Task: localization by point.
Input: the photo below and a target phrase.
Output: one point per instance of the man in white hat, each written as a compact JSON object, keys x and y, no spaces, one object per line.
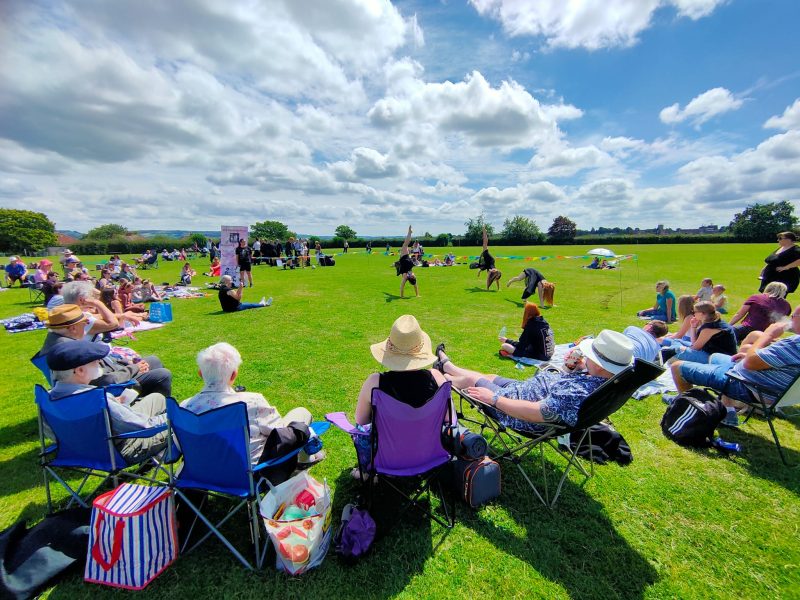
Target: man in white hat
{"x":15,"y":271}
{"x":545,"y":397}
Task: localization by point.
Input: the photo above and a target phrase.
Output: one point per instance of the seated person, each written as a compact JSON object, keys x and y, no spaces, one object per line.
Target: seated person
{"x":769,"y":362}
{"x":110,"y":298}
{"x":187,"y":272}
{"x":685,"y":316}
{"x":165,"y":255}
{"x":761,"y":310}
{"x":705,"y":291}
{"x":44,"y":270}
{"x":645,"y":339}
{"x":52,"y":291}
{"x":16,"y":271}
{"x":708,"y":334}
{"x":99,"y":318}
{"x":545,"y":397}
{"x":664,"y":308}
{"x":219,"y":366}
{"x":68,"y":322}
{"x":719,"y":299}
{"x":407,"y":356}
{"x":125,"y":296}
{"x":449,"y":260}
{"x":214,"y":269}
{"x":144,"y":258}
{"x":75,"y":365}
{"x":595,"y":264}
{"x":537,"y":340}
{"x":127,"y":273}
{"x":534,"y":281}
{"x":230,"y":299}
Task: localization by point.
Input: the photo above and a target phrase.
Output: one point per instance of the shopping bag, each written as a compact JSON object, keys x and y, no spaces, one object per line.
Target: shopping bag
{"x":160,"y":312}
{"x":297,"y":516}
{"x":132,"y":536}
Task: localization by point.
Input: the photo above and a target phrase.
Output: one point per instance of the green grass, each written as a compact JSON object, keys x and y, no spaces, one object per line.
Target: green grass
{"x":675,"y":523}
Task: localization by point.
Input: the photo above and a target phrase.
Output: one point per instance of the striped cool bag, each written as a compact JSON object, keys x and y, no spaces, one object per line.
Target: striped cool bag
{"x":132,"y":536}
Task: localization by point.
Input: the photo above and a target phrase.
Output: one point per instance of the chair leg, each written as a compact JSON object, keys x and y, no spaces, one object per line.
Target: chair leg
{"x":768,"y":416}
{"x":47,"y":491}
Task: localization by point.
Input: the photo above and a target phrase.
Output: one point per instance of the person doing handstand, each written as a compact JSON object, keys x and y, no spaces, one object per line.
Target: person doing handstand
{"x":486,"y":263}
{"x":405,"y":266}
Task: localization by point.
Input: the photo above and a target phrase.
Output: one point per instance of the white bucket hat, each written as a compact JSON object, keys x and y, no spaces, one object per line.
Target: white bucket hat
{"x":610,"y":349}
{"x":407,"y":348}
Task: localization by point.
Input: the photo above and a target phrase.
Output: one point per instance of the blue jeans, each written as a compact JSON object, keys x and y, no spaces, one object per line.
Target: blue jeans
{"x":698,"y":356}
{"x":654,"y":314}
{"x":248,"y":305}
{"x":714,"y":376}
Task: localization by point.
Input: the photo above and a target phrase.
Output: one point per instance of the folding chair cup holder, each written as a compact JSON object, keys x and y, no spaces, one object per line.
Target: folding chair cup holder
{"x":513,"y":446}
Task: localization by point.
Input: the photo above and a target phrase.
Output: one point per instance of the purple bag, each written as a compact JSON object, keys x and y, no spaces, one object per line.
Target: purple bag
{"x":356,"y":533}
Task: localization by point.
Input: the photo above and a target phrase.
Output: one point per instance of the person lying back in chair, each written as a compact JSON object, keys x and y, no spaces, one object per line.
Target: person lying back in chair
{"x":545,"y":397}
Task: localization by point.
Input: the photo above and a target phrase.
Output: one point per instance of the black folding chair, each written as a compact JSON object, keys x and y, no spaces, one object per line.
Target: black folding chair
{"x":515,"y":445}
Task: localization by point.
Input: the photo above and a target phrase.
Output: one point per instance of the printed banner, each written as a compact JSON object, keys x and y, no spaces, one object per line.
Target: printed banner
{"x":229,"y":239}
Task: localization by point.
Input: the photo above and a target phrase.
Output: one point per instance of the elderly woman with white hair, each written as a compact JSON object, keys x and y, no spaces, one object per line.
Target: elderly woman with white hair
{"x":218,"y":367}
{"x":230,"y":298}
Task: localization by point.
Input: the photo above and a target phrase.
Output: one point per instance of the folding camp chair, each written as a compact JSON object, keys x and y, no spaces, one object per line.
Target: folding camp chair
{"x":600,"y":404}
{"x":36,"y":292}
{"x":216,"y":461}
{"x":84,"y":443}
{"x":150,"y":263}
{"x":791,"y":397}
{"x":406,"y":448}
{"x":40,"y":362}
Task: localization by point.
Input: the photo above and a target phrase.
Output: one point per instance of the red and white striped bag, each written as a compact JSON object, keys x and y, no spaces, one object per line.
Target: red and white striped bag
{"x":132,"y":536}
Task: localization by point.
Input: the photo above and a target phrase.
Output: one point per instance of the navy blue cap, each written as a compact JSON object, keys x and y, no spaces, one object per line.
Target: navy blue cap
{"x":74,"y":354}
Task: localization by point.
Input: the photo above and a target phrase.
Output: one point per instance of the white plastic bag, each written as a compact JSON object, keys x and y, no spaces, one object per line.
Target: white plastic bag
{"x":302,"y":543}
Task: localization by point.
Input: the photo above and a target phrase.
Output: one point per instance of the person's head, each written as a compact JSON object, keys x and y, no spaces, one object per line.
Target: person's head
{"x":776,"y":289}
{"x":706,"y":311}
{"x":685,"y":306}
{"x":126,"y":267}
{"x":707,"y":282}
{"x":186,"y":266}
{"x":124,"y":284}
{"x":215,"y":262}
{"x":146,"y":283}
{"x":107,"y":296}
{"x":531,"y":312}
{"x":77,"y":292}
{"x":226,"y":281}
{"x":407,"y":348}
{"x":67,"y":320}
{"x":607,"y":354}
{"x":77,"y":361}
{"x":662,"y":286}
{"x":12,"y":260}
{"x":242,"y":242}
{"x":787,"y":238}
{"x":656,"y":328}
{"x":718,"y":289}
{"x":219,"y":364}
{"x":45,"y":265}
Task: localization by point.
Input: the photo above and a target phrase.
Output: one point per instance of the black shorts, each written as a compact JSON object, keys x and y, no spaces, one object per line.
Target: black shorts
{"x":245,"y":266}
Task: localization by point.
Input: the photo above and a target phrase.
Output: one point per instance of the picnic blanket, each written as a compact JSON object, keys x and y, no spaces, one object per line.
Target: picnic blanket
{"x":130,"y":331}
{"x":181,"y":292}
{"x":664,"y":383}
{"x":23,"y":322}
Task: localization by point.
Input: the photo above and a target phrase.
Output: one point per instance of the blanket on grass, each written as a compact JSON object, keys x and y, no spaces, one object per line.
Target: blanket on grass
{"x":23,"y":322}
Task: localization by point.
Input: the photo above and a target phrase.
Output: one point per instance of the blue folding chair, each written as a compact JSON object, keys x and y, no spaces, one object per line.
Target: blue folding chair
{"x":216,"y":460}
{"x":40,"y":362}
{"x":84,"y":443}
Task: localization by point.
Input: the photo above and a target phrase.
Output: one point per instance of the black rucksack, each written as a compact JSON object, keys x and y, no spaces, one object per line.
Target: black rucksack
{"x":692,"y":418}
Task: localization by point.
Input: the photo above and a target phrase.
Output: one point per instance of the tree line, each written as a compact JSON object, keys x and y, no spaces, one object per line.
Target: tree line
{"x":28,"y":231}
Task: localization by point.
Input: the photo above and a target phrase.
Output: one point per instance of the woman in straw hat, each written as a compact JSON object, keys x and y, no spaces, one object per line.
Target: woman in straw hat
{"x":545,"y":397}
{"x":407,"y":356}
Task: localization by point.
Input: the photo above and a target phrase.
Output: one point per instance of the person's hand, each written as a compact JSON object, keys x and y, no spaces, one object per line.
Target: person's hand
{"x":502,"y":339}
{"x":776,"y":330}
{"x":738,"y":356}
{"x":694,"y":322}
{"x":481,"y":394}
{"x":409,"y":230}
{"x":780,"y":269}
{"x":143,"y":367}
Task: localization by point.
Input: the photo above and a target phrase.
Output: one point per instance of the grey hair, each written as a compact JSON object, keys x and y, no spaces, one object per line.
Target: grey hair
{"x":218,"y":362}
{"x":74,"y":291}
{"x":226,"y":280}
{"x":61,"y":375}
{"x":776,"y":289}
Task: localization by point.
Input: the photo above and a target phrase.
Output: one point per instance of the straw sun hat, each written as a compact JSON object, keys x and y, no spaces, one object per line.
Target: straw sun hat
{"x":407,"y":348}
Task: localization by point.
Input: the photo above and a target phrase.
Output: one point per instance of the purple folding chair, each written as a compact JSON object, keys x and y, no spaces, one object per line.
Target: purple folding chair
{"x":406,"y":449}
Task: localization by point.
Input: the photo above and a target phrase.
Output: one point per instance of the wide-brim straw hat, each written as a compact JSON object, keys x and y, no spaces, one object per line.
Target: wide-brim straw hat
{"x":407,"y":348}
{"x":65,"y":315}
{"x":611,"y":350}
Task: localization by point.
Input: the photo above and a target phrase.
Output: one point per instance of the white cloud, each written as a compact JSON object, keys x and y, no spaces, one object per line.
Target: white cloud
{"x":700,"y":109}
{"x":790,"y":119}
{"x":562,"y":161}
{"x":590,"y":24}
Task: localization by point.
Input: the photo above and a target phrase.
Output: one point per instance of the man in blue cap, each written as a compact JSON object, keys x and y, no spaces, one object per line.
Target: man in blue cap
{"x":75,"y":364}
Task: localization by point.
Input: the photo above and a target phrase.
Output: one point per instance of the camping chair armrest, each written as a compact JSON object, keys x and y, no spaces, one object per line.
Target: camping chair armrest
{"x":754,"y":388}
{"x":115,"y":389}
{"x":276,"y":461}
{"x":141,"y":433}
{"x":340,"y":420}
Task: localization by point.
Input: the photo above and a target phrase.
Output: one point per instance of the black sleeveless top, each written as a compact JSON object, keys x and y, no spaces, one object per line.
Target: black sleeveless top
{"x":414,"y":388}
{"x":406,"y":264}
{"x":228,"y":303}
{"x":486,"y":261}
{"x":723,"y":342}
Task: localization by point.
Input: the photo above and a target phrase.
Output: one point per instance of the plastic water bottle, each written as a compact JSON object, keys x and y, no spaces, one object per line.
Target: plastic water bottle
{"x":721,"y":444}
{"x":503,"y":331}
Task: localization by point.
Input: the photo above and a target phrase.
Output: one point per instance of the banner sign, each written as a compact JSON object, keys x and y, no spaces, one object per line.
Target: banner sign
{"x":228,"y":241}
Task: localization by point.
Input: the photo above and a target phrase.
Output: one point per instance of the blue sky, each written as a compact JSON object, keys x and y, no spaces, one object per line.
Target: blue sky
{"x":196,"y":113}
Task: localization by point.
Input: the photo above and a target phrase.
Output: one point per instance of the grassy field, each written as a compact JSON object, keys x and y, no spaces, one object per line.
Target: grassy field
{"x":676,"y":523}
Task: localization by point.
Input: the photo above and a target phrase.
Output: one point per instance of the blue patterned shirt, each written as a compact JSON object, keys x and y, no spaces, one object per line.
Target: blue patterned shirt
{"x":783,"y":357}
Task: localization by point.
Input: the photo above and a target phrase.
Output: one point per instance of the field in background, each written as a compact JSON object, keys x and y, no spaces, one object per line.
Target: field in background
{"x":675,"y":523}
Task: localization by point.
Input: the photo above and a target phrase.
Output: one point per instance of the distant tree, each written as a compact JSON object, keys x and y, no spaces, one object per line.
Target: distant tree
{"x":106,"y":232}
{"x":443,"y":239}
{"x":25,"y":230}
{"x":270,"y":230}
{"x":760,"y":222}
{"x":345,"y":232}
{"x":521,"y":230}
{"x":474,"y":233}
{"x":198,"y":238}
{"x":312,"y":241}
{"x":562,"y":229}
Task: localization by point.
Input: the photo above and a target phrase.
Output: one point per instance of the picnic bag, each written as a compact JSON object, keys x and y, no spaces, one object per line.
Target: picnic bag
{"x":692,"y":418}
{"x":476,"y":481}
{"x":355,"y":534}
{"x":297,"y":516}
{"x":160,"y":312}
{"x":132,"y":536}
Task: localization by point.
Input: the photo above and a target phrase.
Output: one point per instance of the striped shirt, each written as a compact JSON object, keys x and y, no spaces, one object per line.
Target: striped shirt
{"x":783,"y":357}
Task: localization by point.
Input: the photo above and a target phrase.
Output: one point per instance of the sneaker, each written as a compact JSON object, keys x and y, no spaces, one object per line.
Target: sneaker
{"x":668,"y":398}
{"x":263,"y":301}
{"x":306,"y":460}
{"x":731,"y":419}
{"x":269,"y":301}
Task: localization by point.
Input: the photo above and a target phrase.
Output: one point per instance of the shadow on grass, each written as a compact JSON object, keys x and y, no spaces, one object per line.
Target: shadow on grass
{"x":475,"y":289}
{"x":761,"y":457}
{"x":21,"y":473}
{"x":24,"y":431}
{"x":574,"y":545}
{"x":519,"y":304}
{"x":392,"y":297}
